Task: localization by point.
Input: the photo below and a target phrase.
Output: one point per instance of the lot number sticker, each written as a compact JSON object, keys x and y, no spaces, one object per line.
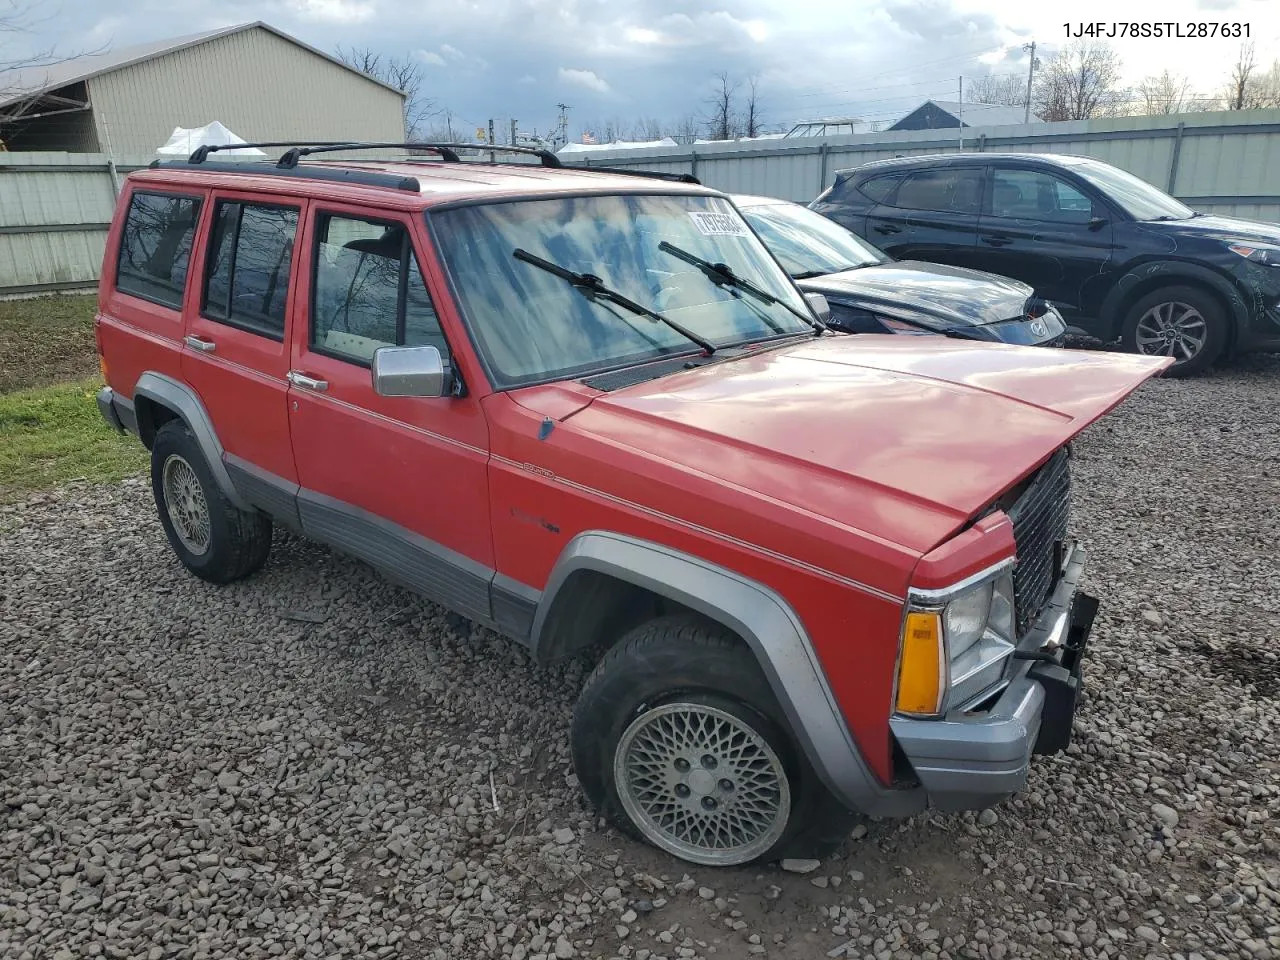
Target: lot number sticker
{"x":719,"y":225}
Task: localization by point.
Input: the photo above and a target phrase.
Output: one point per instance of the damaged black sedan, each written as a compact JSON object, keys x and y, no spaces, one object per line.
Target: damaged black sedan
{"x":870,"y":292}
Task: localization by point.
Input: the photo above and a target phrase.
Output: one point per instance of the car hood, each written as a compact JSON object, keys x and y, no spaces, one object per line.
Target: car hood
{"x":903,"y":438}
{"x":1224,"y":227}
{"x":954,"y":295}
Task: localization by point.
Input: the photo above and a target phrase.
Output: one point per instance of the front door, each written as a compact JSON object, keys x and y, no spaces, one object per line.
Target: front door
{"x":399,"y":481}
{"x":236,"y":353}
{"x":932,"y":216}
{"x":1047,"y":232}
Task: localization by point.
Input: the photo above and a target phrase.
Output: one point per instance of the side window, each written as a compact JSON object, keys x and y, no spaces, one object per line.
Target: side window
{"x":368,"y":291}
{"x":250,"y":255}
{"x":155,"y":247}
{"x":880,"y":189}
{"x":951,"y":190}
{"x":1033,"y":195}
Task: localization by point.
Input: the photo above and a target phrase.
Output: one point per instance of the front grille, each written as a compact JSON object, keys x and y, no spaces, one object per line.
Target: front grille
{"x":1039,"y":518}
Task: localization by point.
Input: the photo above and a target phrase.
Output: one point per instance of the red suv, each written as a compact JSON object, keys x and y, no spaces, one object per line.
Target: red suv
{"x":831,"y":574}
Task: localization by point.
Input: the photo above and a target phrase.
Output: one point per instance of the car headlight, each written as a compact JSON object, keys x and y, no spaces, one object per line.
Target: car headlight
{"x":955,"y":644}
{"x":1267,"y":254}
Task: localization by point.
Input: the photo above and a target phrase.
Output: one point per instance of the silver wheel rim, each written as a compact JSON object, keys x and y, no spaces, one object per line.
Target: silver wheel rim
{"x":185,"y":503}
{"x":1172,"y":329}
{"x":701,"y":784}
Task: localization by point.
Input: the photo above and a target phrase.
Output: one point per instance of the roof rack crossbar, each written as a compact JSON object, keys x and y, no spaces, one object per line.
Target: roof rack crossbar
{"x":201,"y":153}
{"x":655,"y":174}
{"x":291,"y":157}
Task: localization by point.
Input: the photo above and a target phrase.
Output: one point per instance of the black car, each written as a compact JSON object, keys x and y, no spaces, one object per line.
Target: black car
{"x":1120,"y":259}
{"x":870,"y":292}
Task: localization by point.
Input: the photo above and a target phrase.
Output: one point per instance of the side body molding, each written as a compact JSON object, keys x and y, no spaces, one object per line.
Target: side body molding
{"x":772,"y":631}
{"x":183,"y":401}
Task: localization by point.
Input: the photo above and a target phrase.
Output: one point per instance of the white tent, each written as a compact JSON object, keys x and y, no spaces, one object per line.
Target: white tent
{"x":185,"y":140}
{"x":616,"y":145}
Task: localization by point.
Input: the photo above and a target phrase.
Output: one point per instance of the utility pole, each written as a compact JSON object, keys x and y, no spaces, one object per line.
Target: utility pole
{"x":492,"y":158}
{"x":961,"y":116}
{"x":564,"y":123}
{"x":513,"y":132}
{"x":1031,"y":74}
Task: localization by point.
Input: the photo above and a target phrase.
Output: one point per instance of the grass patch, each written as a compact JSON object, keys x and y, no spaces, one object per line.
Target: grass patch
{"x":50,"y":435}
{"x":46,"y":340}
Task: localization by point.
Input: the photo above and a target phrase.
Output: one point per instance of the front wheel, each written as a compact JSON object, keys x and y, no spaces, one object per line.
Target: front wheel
{"x":1179,"y":322}
{"x":678,"y":740}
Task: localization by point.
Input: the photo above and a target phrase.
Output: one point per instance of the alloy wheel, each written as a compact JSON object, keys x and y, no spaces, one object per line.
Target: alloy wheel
{"x":186,"y":505}
{"x":1173,"y":329}
{"x":702,"y":784}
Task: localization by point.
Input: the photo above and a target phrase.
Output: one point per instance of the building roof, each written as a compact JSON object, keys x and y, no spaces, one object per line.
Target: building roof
{"x":981,"y":114}
{"x":21,"y":84}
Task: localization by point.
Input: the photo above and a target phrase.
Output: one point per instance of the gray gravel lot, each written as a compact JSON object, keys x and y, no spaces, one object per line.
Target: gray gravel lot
{"x":306,"y":764}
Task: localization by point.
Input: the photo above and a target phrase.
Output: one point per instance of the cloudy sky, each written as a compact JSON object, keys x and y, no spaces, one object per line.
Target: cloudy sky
{"x":655,"y":58}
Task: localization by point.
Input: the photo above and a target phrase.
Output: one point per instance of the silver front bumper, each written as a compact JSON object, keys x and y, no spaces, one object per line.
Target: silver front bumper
{"x":968,"y":761}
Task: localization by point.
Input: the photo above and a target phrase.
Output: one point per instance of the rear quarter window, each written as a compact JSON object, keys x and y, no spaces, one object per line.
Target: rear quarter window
{"x":880,"y":189}
{"x":155,"y":247}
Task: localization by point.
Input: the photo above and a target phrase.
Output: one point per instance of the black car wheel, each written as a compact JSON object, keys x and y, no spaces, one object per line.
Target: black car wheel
{"x":1179,"y":322}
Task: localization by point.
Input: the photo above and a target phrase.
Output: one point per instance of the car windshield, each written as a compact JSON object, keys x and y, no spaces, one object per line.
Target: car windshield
{"x":1138,"y":198}
{"x":807,"y":244}
{"x":532,"y":326}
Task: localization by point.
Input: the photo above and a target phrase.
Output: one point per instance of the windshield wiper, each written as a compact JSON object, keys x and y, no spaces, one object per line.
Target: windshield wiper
{"x":592,"y":287}
{"x":723,"y":273}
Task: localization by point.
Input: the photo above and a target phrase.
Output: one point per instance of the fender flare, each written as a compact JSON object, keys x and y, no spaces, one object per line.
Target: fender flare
{"x":772,"y":631}
{"x":1170,"y":272}
{"x":184,"y":402}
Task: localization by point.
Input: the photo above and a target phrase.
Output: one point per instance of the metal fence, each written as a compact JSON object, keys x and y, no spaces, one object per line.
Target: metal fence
{"x":1226,"y":162}
{"x":55,"y":207}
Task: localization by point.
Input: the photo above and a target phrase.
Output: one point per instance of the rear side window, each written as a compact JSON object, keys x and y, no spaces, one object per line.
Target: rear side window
{"x":880,"y":189}
{"x":250,"y":254}
{"x":155,"y":247}
{"x":369,"y":291}
{"x":957,"y":190}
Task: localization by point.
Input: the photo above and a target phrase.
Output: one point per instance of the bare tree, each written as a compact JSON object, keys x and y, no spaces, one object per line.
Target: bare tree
{"x":684,"y":130}
{"x":1079,"y":82}
{"x":721,"y":119}
{"x":1167,"y":93}
{"x":751,"y":112}
{"x":1009,"y":90}
{"x":18,"y":18}
{"x":405,"y":74}
{"x":1248,"y":87}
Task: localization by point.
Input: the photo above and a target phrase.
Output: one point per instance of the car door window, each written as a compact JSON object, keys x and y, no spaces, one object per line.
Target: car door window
{"x":1034,"y":195}
{"x":250,"y":257}
{"x":956,"y":190}
{"x":880,"y":189}
{"x":368,"y":291}
{"x":155,"y":247}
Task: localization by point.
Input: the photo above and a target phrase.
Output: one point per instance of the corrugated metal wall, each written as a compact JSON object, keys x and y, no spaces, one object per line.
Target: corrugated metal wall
{"x":260,"y":85}
{"x":1226,"y":163}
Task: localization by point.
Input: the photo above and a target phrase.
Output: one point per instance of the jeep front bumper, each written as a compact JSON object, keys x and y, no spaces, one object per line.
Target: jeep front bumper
{"x":971,"y":760}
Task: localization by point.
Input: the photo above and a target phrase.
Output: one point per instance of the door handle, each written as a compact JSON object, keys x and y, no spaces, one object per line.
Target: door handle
{"x":300,"y":379}
{"x":997,"y":241}
{"x":887,"y":228}
{"x":199,"y":343}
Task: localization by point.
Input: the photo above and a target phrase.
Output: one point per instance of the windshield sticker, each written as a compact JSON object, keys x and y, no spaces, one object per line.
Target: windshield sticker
{"x":719,"y":225}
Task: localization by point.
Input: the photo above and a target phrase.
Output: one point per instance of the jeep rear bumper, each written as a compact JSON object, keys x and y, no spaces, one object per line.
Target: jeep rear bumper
{"x":117,"y":411}
{"x":968,"y":761}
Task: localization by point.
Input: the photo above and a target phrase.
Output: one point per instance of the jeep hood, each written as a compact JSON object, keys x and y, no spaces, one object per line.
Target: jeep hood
{"x":903,"y":438}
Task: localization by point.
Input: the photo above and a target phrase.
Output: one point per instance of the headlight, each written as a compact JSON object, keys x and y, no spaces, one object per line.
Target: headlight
{"x":955,"y":644}
{"x":1267,"y":254}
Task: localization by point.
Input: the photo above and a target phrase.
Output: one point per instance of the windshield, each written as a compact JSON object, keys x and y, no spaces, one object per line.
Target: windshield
{"x":1138,"y":198}
{"x":531,"y":326}
{"x":807,"y":244}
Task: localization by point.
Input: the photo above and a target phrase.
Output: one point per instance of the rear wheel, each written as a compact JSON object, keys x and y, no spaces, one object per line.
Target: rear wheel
{"x":1180,"y":322}
{"x":678,"y":740}
{"x":212,"y":537}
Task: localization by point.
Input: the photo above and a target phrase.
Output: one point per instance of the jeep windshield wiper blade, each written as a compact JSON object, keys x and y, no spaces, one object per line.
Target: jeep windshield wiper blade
{"x":591,"y":287}
{"x":723,"y":273}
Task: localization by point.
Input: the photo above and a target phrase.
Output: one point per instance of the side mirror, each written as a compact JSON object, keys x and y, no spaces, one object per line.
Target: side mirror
{"x":409,"y":372}
{"x":818,"y":304}
{"x":1097,"y":223}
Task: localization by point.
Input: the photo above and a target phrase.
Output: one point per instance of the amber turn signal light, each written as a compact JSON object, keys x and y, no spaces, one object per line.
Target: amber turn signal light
{"x":920,"y":682}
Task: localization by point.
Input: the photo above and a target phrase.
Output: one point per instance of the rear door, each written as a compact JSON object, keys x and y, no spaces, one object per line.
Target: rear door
{"x":930,"y":214}
{"x":236,"y":354}
{"x":1049,"y":231}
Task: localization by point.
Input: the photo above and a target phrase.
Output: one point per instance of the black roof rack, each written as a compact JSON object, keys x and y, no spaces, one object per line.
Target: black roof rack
{"x":364,"y":178}
{"x":655,"y":174}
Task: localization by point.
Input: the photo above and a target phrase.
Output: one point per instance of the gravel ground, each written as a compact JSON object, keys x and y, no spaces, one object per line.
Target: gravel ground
{"x":313,"y":763}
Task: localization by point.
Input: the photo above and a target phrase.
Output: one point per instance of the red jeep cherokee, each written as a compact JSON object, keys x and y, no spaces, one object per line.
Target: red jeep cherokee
{"x":831,"y":573}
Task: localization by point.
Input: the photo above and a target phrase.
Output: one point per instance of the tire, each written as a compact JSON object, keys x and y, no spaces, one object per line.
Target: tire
{"x":652,"y":686}
{"x":230,"y":543}
{"x":1185,"y":312}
